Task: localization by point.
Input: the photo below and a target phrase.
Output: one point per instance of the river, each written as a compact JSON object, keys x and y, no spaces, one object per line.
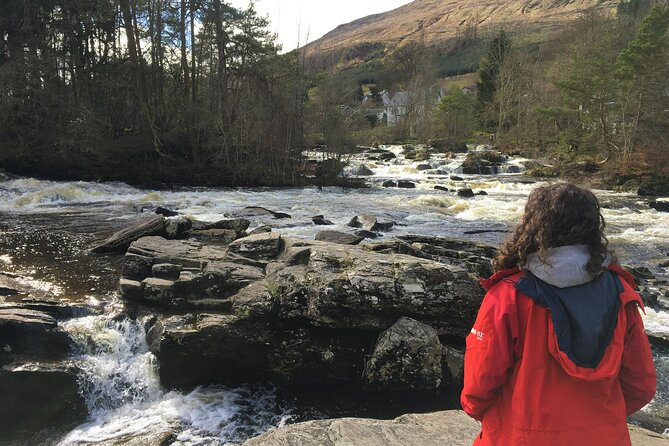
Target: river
{"x":46,"y":228}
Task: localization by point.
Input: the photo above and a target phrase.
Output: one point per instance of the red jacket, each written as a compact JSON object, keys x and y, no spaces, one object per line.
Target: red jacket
{"x":526,"y":391}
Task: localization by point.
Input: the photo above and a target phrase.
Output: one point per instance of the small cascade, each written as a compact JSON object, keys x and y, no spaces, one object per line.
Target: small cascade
{"x":438,"y":164}
{"x":120,"y":384}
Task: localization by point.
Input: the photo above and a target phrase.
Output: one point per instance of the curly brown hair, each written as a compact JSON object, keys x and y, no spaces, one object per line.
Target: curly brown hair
{"x":557,"y":215}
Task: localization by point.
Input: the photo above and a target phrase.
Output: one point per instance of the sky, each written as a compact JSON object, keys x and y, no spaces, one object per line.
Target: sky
{"x":304,"y":21}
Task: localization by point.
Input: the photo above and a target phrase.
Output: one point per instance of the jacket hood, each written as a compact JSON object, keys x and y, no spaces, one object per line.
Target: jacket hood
{"x":583,"y":319}
{"x":563,"y":267}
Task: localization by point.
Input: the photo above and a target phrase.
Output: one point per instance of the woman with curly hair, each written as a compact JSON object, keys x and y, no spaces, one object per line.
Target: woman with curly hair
{"x":558,"y":354}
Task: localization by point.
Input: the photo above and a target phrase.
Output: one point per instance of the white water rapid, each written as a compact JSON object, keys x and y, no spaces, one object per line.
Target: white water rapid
{"x":119,"y":382}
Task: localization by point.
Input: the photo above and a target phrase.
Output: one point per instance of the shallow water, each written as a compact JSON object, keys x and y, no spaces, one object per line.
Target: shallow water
{"x":46,"y":228}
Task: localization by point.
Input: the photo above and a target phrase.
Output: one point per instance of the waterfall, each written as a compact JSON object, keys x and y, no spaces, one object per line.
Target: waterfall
{"x":119,"y":382}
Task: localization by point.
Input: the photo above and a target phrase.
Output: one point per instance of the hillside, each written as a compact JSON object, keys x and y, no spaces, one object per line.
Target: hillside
{"x":444,"y":23}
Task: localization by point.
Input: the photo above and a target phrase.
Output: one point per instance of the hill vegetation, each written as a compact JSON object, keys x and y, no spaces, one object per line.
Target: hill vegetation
{"x":591,"y":98}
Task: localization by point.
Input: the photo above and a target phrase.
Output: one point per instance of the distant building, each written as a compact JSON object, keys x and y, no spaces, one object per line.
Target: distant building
{"x":397,"y":107}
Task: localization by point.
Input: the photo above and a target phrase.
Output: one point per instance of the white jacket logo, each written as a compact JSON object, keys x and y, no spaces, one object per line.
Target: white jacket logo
{"x":478,"y":334}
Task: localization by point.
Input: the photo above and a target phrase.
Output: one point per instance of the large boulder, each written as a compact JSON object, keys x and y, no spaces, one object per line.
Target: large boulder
{"x":222,"y":232}
{"x":39,"y":404}
{"x":349,"y":287}
{"x":406,"y":356}
{"x":196,"y":349}
{"x":370,"y":223}
{"x":31,"y":335}
{"x":484,"y":162}
{"x":205,"y":348}
{"x":451,"y":427}
{"x":260,"y":246}
{"x":362,"y":170}
{"x":178,"y":227}
{"x":297,"y":312}
{"x":121,"y":240}
{"x":475,"y":257}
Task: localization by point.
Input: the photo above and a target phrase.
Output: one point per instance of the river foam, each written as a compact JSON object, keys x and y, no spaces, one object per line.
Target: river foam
{"x":119,"y":381}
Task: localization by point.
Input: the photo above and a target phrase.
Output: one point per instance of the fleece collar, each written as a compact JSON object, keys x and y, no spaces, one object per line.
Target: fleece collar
{"x":563,"y":267}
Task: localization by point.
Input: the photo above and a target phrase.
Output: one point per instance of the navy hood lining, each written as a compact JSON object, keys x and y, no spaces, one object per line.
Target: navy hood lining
{"x":584,"y":316}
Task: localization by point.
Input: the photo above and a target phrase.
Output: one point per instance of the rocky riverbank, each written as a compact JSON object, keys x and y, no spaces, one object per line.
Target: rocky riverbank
{"x":304,"y":313}
{"x":453,"y":428}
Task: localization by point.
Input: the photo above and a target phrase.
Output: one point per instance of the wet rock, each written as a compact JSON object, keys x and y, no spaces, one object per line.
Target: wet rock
{"x":131,"y":289}
{"x":219,"y":237}
{"x":348,"y":287}
{"x":261,"y":230}
{"x":465,"y":192}
{"x":482,"y":162}
{"x":167,"y":271}
{"x":475,"y":257}
{"x":481,"y":192}
{"x":4,"y":291}
{"x":187,"y":253}
{"x":159,"y":291}
{"x":341,"y":238}
{"x":176,"y":228}
{"x":39,"y":404}
{"x":445,"y":145}
{"x":238,"y":225}
{"x":53,"y":307}
{"x":30,"y":335}
{"x":136,"y":267}
{"x":660,"y":206}
{"x":121,"y":240}
{"x":387,"y":156}
{"x":368,"y":222}
{"x":389,"y":183}
{"x":367,"y":234}
{"x":456,"y":178}
{"x":406,"y":356}
{"x":257,"y":211}
{"x":209,"y":348}
{"x":259,"y":246}
{"x":319,"y":220}
{"x":212,"y":348}
{"x":161,"y":438}
{"x":404,"y":184}
{"x":486,"y":231}
{"x":421,"y":167}
{"x":362,"y":170}
{"x":441,"y":188}
{"x":453,"y":365}
{"x":165,"y":212}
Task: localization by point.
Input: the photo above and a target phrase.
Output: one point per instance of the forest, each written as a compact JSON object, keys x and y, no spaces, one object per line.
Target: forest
{"x":197,"y":92}
{"x":171,"y":91}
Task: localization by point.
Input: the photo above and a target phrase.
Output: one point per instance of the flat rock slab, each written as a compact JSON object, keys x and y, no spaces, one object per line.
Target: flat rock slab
{"x":452,"y":428}
{"x":257,"y":211}
{"x":341,"y":238}
{"x":160,"y":438}
{"x":260,"y":246}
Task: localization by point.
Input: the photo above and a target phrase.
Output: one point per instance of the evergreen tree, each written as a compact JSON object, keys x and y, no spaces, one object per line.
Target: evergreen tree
{"x":490,"y":67}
